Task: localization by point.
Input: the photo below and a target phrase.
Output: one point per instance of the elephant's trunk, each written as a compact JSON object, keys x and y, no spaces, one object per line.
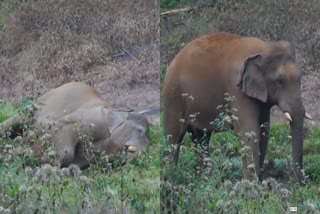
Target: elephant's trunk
{"x":298,"y":114}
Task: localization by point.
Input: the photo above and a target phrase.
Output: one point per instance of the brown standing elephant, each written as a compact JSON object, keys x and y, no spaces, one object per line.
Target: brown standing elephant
{"x":256,"y":73}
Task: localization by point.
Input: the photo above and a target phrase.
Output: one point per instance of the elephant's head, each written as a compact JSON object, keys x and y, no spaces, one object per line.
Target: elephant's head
{"x":134,"y":133}
{"x":128,"y":130}
{"x":273,"y":78}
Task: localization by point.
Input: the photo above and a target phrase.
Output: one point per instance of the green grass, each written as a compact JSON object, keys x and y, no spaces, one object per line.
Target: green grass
{"x":114,"y":187}
{"x":7,"y":109}
{"x":312,"y":144}
{"x":6,"y":7}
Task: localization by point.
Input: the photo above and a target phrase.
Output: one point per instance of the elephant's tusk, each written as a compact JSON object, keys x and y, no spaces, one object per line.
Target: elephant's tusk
{"x":132,"y":149}
{"x":308,"y":116}
{"x":287,"y":115}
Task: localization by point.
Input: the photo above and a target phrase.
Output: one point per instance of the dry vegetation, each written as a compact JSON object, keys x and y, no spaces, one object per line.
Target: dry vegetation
{"x":113,"y":45}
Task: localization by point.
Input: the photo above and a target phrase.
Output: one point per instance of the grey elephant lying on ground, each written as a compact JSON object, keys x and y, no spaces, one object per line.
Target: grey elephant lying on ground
{"x":74,"y":110}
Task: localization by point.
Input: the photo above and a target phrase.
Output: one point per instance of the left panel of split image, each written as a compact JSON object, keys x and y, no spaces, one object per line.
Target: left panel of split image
{"x":79,"y":106}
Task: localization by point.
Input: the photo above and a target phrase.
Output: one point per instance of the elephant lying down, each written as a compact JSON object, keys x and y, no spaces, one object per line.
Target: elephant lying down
{"x":74,"y":110}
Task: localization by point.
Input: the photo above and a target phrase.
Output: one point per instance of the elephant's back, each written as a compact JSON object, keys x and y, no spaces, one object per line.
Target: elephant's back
{"x":203,"y":68}
{"x":209,"y":58}
{"x":68,"y":98}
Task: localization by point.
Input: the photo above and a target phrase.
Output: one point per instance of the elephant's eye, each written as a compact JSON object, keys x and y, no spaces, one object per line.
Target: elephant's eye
{"x":140,"y":131}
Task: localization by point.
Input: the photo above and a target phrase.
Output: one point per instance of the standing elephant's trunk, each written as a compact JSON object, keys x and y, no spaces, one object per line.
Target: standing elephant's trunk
{"x":297,"y":139}
{"x":296,"y":116}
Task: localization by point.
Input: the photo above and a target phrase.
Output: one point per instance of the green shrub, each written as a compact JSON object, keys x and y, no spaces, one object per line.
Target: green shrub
{"x":312,"y":143}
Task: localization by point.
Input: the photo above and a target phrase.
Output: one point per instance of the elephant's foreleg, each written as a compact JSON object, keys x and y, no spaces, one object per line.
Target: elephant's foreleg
{"x":264,"y":138}
{"x":248,"y":129}
{"x":64,"y":141}
{"x":251,"y":152}
{"x":81,"y":158}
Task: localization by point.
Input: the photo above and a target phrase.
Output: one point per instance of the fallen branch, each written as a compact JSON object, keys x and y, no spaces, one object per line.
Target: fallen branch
{"x":127,"y":52}
{"x":186,"y":9}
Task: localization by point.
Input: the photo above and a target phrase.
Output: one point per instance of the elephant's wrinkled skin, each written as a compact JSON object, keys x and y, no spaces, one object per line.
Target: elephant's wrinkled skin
{"x":75,"y":109}
{"x":256,"y":73}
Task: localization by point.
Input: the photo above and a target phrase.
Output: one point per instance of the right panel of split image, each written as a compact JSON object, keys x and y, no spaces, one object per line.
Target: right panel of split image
{"x":240,"y":99}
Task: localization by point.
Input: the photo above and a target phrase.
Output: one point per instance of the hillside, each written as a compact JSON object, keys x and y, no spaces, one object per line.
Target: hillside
{"x":112,"y":45}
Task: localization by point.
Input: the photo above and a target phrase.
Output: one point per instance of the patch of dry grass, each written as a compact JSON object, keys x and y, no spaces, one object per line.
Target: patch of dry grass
{"x":47,"y":43}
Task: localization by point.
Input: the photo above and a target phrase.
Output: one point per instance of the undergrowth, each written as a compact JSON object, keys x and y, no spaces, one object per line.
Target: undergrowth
{"x":109,"y":186}
{"x":220,"y":188}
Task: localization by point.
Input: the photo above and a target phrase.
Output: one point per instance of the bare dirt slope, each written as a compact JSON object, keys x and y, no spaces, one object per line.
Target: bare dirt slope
{"x":111,"y":45}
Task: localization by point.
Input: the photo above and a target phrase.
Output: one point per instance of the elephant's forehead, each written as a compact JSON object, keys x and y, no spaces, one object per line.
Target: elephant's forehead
{"x":290,"y":70}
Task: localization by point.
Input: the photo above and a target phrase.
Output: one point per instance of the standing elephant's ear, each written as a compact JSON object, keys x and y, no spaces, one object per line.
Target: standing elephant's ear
{"x":252,"y":81}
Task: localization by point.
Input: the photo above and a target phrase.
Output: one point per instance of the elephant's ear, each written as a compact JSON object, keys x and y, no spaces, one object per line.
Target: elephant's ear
{"x":150,"y":110}
{"x":252,"y":81}
{"x":113,"y":120}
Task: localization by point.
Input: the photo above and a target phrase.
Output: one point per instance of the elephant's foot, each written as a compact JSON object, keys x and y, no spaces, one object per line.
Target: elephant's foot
{"x":298,"y":175}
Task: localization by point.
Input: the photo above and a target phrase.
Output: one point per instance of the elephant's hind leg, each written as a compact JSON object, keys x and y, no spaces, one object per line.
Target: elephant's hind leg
{"x":200,"y":139}
{"x":179,"y":138}
{"x":174,"y":129}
